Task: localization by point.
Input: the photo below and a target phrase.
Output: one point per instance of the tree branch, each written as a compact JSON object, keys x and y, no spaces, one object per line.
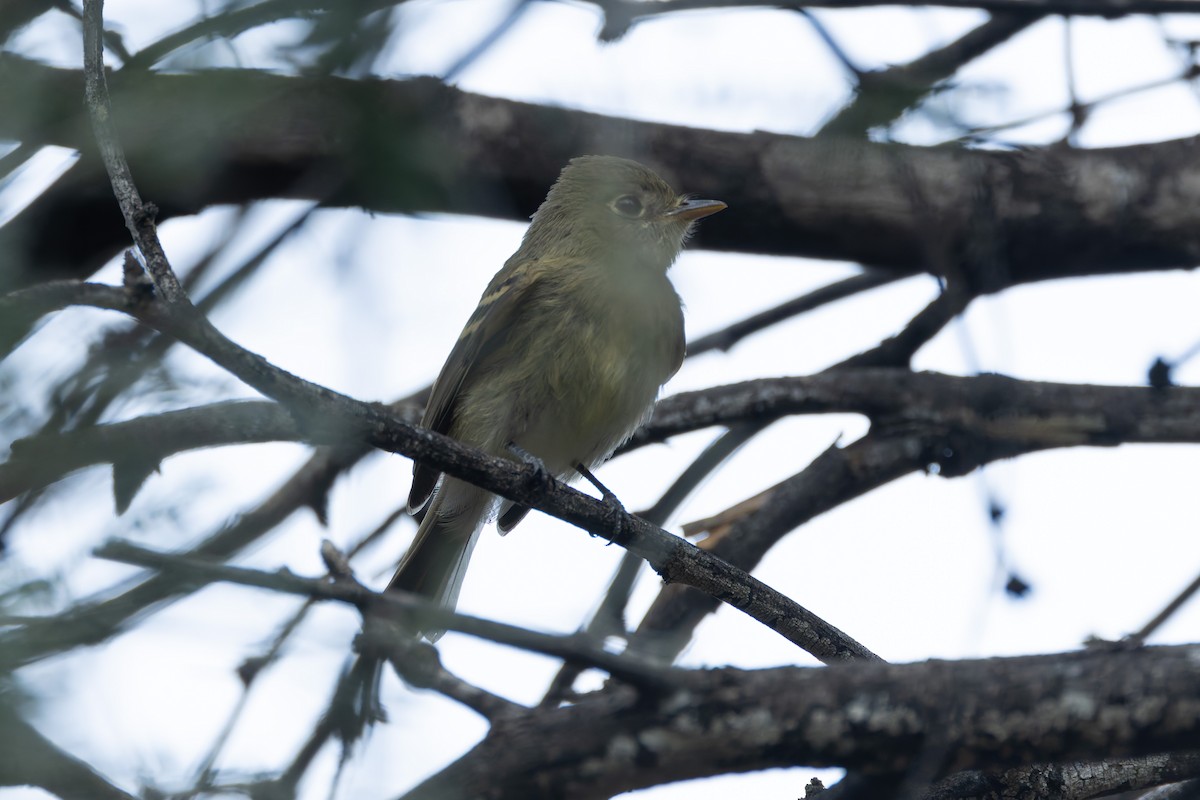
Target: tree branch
{"x":330,"y":414}
{"x":139,"y":445}
{"x":1113,"y":210}
{"x":96,"y":621}
{"x":392,"y":605}
{"x":955,"y":426}
{"x":30,"y":759}
{"x":1001,"y":415}
{"x":730,"y":335}
{"x":883,"y":96}
{"x":968,"y":714}
{"x":139,"y":217}
{"x":1071,"y":780}
{"x":988,"y":407}
{"x":620,"y":15}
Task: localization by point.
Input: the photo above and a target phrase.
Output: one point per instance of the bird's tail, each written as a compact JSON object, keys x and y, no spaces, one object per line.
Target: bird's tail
{"x":434,"y":567}
{"x":436,"y":563}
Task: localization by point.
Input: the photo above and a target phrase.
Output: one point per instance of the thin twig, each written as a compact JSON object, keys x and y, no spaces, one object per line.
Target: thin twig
{"x":726,"y":338}
{"x":139,"y":217}
{"x":390,"y":605}
{"x":249,"y":671}
{"x":1187,"y":74}
{"x":94,"y":621}
{"x":497,"y":32}
{"x":898,"y":350}
{"x":885,"y":95}
{"x":420,"y":666}
{"x":832,"y":44}
{"x":1150,"y":627}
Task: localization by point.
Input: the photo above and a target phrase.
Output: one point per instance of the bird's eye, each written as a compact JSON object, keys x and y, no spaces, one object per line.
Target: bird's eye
{"x":628,"y":205}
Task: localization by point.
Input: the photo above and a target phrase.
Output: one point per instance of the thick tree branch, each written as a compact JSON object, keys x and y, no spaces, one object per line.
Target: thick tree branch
{"x":956,"y":715}
{"x":1070,"y":781}
{"x":1111,"y":210}
{"x":989,"y":406}
{"x":820,"y":722}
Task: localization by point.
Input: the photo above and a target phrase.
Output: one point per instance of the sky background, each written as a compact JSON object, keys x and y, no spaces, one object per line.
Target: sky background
{"x":370,"y":305}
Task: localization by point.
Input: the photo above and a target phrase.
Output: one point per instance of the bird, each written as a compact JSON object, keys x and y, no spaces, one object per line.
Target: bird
{"x":562,"y":358}
{"x":560,"y":362}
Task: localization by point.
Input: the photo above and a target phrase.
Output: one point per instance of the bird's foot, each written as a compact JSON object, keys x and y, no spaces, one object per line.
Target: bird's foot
{"x":616,"y":510}
{"x":539,"y":478}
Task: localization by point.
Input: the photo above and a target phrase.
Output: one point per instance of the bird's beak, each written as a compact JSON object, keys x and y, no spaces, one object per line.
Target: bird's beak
{"x":695,"y":209}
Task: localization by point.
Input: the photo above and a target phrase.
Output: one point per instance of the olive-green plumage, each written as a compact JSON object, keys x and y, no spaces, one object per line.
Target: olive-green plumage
{"x":564,"y":355}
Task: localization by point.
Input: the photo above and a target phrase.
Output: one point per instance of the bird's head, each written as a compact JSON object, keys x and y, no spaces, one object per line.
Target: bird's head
{"x":614,"y":209}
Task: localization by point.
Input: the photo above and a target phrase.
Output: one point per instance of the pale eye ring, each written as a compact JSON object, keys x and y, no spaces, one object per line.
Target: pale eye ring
{"x":628,"y":205}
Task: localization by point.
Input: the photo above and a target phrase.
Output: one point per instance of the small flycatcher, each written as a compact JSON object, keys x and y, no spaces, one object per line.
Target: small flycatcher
{"x":564,"y":356}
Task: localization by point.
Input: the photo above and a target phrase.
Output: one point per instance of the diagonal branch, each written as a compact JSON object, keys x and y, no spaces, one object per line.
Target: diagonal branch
{"x":329,"y":414}
{"x":609,"y":618}
{"x":898,"y":350}
{"x":834,"y":477}
{"x":30,"y":759}
{"x":883,"y":96}
{"x":729,"y":336}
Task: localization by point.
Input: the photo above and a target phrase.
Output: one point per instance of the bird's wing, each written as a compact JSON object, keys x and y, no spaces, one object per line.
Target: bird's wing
{"x":484,"y":333}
